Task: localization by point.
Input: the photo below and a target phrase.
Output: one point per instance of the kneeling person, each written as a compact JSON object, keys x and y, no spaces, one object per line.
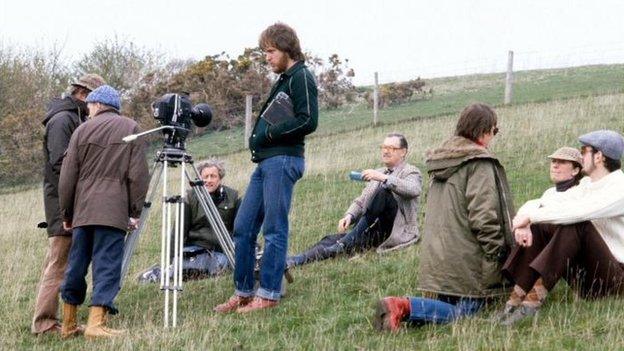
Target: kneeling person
{"x":385,"y":215}
{"x":203,"y":255}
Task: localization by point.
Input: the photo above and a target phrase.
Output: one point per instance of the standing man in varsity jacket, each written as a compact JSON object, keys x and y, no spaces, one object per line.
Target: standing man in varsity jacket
{"x":277,"y":146}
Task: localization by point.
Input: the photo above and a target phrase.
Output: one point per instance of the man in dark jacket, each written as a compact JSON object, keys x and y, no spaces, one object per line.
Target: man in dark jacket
{"x":102,"y":191}
{"x":203,"y":255}
{"x":277,"y":145}
{"x":64,"y":115}
{"x":467,"y":230}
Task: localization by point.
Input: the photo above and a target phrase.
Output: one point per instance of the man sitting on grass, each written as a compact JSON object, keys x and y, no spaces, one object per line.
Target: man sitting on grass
{"x":467,"y":231}
{"x":385,"y":215}
{"x":578,"y":235}
{"x":203,"y":256}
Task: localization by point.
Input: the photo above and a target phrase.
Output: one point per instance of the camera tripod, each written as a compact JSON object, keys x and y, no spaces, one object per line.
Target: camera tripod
{"x":173,"y":205}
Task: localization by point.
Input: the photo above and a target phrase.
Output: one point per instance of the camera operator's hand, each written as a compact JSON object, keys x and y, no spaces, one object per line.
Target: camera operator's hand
{"x":133,"y":223}
{"x":344,"y":223}
{"x":67,"y":225}
{"x":371,"y":174}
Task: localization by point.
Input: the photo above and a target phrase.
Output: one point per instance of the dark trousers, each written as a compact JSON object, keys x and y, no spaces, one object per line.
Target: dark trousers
{"x":371,"y":230}
{"x":575,"y":252}
{"x":102,"y":246}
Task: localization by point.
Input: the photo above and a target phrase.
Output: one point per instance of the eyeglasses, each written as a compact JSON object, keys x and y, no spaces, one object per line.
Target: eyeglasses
{"x":495,"y":130}
{"x":389,"y":148}
{"x":586,"y":149}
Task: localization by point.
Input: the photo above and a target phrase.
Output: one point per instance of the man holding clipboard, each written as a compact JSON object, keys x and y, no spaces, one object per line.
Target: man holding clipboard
{"x":277,"y":146}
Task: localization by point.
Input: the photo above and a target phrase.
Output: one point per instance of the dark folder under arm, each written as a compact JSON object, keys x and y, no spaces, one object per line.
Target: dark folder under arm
{"x":280,"y":110}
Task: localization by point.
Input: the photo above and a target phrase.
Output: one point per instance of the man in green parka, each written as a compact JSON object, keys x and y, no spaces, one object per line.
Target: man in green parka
{"x":202,"y":252}
{"x":467,"y":231}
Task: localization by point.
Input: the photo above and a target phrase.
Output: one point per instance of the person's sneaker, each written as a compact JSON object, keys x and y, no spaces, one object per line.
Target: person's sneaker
{"x":390,"y":312}
{"x":232,"y":304}
{"x":257,"y":303}
{"x":150,"y":275}
{"x":519,"y":314}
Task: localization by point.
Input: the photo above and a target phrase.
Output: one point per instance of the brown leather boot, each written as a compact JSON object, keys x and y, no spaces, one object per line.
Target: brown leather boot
{"x":96,"y":326}
{"x":232,"y":304}
{"x":390,"y":312}
{"x":70,"y":327}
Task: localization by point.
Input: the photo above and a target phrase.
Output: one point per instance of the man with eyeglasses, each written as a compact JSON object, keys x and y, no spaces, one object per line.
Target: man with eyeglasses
{"x":383,"y":216}
{"x":467,"y":230}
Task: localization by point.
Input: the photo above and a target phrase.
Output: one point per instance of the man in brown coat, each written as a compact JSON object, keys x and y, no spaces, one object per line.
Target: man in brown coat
{"x":102,"y":190}
{"x":64,"y":115}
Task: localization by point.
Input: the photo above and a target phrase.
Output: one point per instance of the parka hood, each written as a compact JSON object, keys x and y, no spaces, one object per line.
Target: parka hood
{"x":57,"y":105}
{"x":445,"y":160}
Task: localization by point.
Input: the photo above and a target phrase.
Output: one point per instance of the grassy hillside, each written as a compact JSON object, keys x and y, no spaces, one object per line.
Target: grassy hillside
{"x":450,"y":95}
{"x":329,"y":306}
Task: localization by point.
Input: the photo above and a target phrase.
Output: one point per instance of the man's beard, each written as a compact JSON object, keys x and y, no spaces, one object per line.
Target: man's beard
{"x":281,"y":65}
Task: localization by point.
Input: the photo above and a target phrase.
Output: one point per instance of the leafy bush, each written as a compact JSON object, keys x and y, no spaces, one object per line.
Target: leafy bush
{"x":399,"y":93}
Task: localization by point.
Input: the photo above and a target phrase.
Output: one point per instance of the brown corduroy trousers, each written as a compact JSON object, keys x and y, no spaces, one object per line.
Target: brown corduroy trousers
{"x":46,"y":305}
{"x":575,"y":252}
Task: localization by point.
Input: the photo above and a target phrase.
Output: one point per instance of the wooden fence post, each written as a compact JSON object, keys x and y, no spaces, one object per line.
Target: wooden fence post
{"x":248,"y":111}
{"x":509,"y":80}
{"x":376,"y":100}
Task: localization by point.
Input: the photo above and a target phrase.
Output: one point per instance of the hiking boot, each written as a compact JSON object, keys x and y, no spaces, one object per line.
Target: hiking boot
{"x":232,"y":304}
{"x":522,"y":312}
{"x":96,"y":325}
{"x":390,"y":312}
{"x":258,"y":303}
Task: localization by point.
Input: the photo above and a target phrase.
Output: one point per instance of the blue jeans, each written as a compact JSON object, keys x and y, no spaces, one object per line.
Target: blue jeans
{"x":204,"y":261}
{"x":444,"y":310}
{"x":104,"y":247}
{"x":266,"y":204}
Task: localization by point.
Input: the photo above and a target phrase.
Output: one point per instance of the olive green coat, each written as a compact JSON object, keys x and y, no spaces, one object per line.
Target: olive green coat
{"x":197,"y":229}
{"x":467,"y":231}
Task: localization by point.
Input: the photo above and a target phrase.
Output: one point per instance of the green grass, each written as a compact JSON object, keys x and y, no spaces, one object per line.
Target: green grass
{"x":329,"y":305}
{"x":450,"y":95}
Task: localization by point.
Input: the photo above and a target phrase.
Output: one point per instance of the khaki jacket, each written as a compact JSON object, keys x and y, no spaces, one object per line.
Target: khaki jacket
{"x":467,"y":231}
{"x":103,"y":179}
{"x":406,"y":184}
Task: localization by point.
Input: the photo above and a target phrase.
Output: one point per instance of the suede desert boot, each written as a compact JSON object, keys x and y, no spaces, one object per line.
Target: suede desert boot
{"x":390,"y":312}
{"x":70,"y":327}
{"x":96,"y":326}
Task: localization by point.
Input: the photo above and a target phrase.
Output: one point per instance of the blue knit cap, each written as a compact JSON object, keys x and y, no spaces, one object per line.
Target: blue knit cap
{"x":106,"y":95}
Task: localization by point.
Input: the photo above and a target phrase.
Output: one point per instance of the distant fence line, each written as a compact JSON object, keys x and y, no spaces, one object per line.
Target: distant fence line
{"x":509,"y":80}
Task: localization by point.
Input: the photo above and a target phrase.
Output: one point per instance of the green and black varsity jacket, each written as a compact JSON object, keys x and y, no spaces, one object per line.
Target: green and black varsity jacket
{"x":288,"y":137}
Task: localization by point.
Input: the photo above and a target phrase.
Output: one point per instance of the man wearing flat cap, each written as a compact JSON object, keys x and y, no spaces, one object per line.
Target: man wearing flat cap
{"x":579,"y":234}
{"x":64,"y":115}
{"x":102,"y":190}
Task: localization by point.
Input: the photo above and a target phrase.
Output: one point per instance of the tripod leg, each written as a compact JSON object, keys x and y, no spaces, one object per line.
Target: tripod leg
{"x":165,"y":253}
{"x":177,"y":242}
{"x":132,"y":238}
